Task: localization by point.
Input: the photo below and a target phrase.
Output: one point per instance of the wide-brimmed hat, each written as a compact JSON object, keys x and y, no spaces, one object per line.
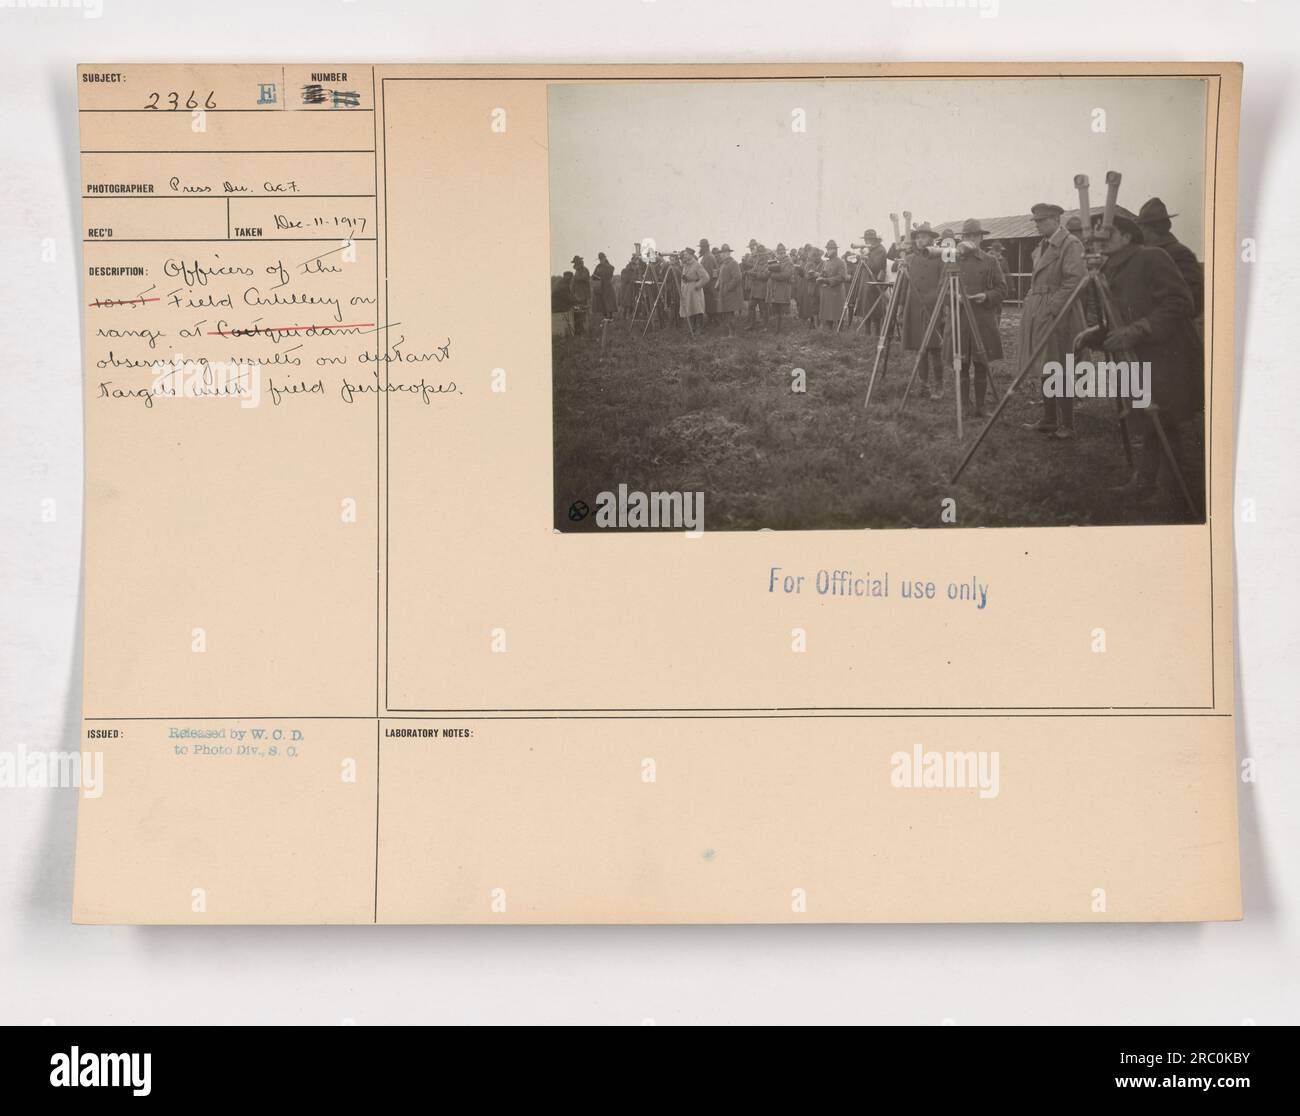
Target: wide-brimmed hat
{"x":576,"y":259}
{"x":1124,"y":224}
{"x":1046,"y":209}
{"x":923,"y":229}
{"x":725,"y":248}
{"x":703,"y":243}
{"x":832,"y":244}
{"x":1153,"y":210}
{"x":870,"y":234}
{"x":971,"y":227}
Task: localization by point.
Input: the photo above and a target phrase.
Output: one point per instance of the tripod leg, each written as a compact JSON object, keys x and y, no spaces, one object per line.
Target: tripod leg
{"x":845,"y":307}
{"x":976,"y":340}
{"x":978,"y":345}
{"x":655,"y":307}
{"x":867,"y":316}
{"x":954,"y":345}
{"x":1173,"y":461}
{"x":848,"y":299}
{"x":636,"y":305}
{"x":1122,"y":411}
{"x":1025,"y":366}
{"x":1116,"y":321}
{"x":882,"y":343}
{"x":921,"y":355}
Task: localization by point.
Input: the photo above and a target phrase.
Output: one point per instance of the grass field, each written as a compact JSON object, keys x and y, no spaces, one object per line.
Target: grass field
{"x":717,"y":415}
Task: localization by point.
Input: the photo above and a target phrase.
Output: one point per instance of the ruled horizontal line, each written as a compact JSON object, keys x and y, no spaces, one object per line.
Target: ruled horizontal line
{"x":215,"y":197}
{"x":232,"y":151}
{"x":224,"y":239}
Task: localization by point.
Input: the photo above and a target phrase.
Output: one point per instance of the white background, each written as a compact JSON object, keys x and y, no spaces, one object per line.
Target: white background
{"x":51,"y":970}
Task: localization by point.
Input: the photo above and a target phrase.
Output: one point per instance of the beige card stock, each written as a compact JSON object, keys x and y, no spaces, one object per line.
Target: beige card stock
{"x":356,"y":649}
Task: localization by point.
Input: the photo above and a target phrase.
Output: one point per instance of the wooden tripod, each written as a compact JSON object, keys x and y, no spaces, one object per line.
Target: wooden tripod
{"x":951,"y":306}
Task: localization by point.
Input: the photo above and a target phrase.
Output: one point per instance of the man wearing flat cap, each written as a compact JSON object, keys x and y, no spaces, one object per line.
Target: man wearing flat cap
{"x":1156,"y":306}
{"x":831,"y":279}
{"x":1156,"y":224}
{"x":1058,"y":268}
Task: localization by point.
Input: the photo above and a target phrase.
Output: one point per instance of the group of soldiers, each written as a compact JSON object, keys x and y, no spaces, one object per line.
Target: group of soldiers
{"x":1156,"y":281}
{"x":710,"y":288}
{"x":1157,"y":287}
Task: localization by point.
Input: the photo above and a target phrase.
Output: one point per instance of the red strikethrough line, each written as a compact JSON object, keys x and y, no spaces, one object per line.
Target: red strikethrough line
{"x":287,"y":329}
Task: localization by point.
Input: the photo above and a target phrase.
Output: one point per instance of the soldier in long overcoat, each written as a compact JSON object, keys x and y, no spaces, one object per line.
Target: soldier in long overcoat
{"x":580,"y":289}
{"x":692,"y":288}
{"x":924,"y":274}
{"x":873,"y":294}
{"x":780,"y":279}
{"x":807,"y":295}
{"x":673,"y":289}
{"x":627,"y":287}
{"x":1157,"y":225}
{"x":832,"y":279}
{"x":747,"y":262}
{"x":730,"y":288}
{"x":985,"y":287}
{"x":1057,"y":269}
{"x":757,"y":285}
{"x":1158,"y":308}
{"x":604,"y":298}
{"x":709,"y":262}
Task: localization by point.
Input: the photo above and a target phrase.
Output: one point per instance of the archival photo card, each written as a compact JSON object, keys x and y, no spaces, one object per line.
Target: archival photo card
{"x":392,"y":673}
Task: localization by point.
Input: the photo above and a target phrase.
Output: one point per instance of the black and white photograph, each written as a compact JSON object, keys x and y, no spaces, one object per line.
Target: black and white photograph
{"x":876,"y":304}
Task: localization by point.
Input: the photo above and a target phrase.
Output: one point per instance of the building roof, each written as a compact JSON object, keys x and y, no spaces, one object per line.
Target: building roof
{"x":1019,"y":225}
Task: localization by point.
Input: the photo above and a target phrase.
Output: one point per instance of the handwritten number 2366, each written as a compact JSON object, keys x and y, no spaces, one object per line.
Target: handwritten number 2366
{"x":173,"y":100}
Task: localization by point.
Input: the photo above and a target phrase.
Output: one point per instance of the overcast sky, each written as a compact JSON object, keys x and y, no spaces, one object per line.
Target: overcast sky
{"x":681,"y":161}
